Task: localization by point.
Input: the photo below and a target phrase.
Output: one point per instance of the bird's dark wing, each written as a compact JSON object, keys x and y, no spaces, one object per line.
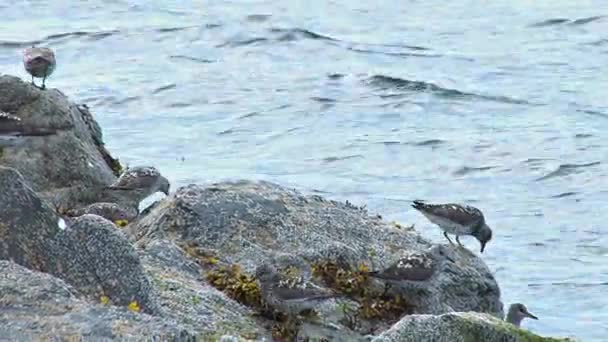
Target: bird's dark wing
{"x":461,"y":214}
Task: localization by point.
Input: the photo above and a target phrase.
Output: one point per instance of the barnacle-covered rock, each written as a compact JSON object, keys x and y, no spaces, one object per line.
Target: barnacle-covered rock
{"x":459,"y":327}
{"x":36,"y":306}
{"x":89,"y":253}
{"x":248,"y":223}
{"x":67,"y":167}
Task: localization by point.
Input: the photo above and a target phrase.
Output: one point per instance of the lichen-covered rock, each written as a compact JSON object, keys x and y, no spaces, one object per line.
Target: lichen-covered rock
{"x":458,"y":327}
{"x":185,"y":296}
{"x":36,"y":306}
{"x":96,"y":258}
{"x":247,"y":223}
{"x":91,"y":254}
{"x":26,"y":222}
{"x":67,"y":168}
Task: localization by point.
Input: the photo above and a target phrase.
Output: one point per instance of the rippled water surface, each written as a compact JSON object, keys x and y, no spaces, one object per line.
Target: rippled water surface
{"x":503,"y":105}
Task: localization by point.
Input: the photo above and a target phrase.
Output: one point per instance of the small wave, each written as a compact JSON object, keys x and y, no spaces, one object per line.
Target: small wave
{"x":15,"y":45}
{"x":560,"y":21}
{"x":179,"y":105}
{"x":335,"y":159}
{"x":465,"y":170}
{"x":335,"y":76}
{"x":258,"y":18}
{"x":91,"y":35}
{"x":584,"y":21}
{"x":583,"y":135}
{"x":593,"y":112}
{"x":173,"y":29}
{"x":163,"y":88}
{"x":293,"y":34}
{"x":550,"y":22}
{"x":569,"y":284}
{"x":190,"y":58}
{"x":430,"y":142}
{"x":388,"y":82}
{"x":565,"y":194}
{"x":243,"y":42}
{"x":536,"y":160}
{"x":395,"y":54}
{"x":567,"y":169}
{"x":325,"y":100}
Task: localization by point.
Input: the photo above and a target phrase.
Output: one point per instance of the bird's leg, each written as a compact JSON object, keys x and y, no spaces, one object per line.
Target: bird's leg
{"x":447,"y":237}
{"x":458,"y":241}
{"x":43,"y":80}
{"x":387,"y":288}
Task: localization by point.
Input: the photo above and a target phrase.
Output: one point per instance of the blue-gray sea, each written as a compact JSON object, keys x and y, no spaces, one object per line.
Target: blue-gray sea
{"x":502,"y":105}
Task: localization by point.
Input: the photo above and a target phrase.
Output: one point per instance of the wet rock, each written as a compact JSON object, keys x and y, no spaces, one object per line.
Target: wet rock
{"x":37,"y":306}
{"x":247,"y":223}
{"x":91,"y":254}
{"x":458,"y":327}
{"x":68,"y":167}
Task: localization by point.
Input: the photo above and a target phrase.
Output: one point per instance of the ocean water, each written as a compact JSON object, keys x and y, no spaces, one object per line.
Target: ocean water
{"x":502,"y":105}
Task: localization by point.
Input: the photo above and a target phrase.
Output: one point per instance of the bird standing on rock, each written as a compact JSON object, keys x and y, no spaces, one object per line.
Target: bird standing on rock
{"x":289,"y":295}
{"x":141,"y":182}
{"x":39,"y":62}
{"x":517,"y":312}
{"x":457,"y":219}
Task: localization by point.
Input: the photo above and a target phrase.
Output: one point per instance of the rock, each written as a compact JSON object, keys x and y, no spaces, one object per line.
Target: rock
{"x":90,"y":254}
{"x":110,"y":211}
{"x":246,"y":223}
{"x":66,"y":168}
{"x":94,"y":256}
{"x":183,"y":269}
{"x":458,"y":327}
{"x":185,"y":296}
{"x":37,"y":306}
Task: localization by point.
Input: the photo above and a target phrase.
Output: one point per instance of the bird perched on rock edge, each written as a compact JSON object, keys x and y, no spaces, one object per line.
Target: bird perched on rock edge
{"x":140,"y":182}
{"x":110,"y":211}
{"x":517,"y":312}
{"x":39,"y":62}
{"x":457,"y":219}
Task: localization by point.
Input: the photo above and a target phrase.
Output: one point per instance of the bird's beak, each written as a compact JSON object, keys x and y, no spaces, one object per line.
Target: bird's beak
{"x":166,"y":187}
{"x":530,"y":315}
{"x":483,"y":246}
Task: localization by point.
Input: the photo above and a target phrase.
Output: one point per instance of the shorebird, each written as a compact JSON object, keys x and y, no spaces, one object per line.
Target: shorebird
{"x":289,"y":295}
{"x":137,"y":183}
{"x":412,"y":266}
{"x":517,"y":312}
{"x":39,"y":62}
{"x":457,"y":219}
{"x":110,"y":211}
{"x":13,"y":130}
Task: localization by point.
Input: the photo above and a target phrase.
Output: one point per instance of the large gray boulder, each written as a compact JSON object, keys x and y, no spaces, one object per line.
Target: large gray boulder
{"x":247,"y":223}
{"x":458,"y":327}
{"x":36,"y":306}
{"x":68,"y":167}
{"x":90,"y":253}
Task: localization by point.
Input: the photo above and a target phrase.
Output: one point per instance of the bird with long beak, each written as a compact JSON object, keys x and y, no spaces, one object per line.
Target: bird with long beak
{"x":457,"y":219}
{"x":39,"y":62}
{"x":517,"y":312}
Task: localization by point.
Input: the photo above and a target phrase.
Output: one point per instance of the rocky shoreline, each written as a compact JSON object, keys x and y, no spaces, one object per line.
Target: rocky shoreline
{"x":184,"y":269}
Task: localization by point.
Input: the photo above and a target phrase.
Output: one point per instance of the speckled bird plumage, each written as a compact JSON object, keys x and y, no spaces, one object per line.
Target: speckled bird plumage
{"x":457,"y":219}
{"x":145,"y":179}
{"x":110,"y":211}
{"x":39,"y":62}
{"x":290,"y":295}
{"x":411,"y":266}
